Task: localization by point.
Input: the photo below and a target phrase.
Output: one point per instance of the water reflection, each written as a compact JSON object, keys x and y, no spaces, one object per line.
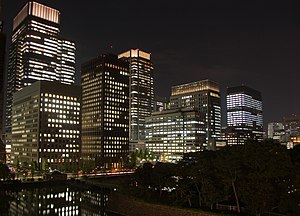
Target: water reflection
{"x":59,"y":200}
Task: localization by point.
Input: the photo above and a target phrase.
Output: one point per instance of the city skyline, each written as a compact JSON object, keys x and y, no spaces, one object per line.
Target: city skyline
{"x":230,"y":43}
{"x":130,"y":107}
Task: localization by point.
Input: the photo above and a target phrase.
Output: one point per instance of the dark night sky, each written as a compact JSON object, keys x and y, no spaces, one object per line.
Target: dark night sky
{"x":256,"y":43}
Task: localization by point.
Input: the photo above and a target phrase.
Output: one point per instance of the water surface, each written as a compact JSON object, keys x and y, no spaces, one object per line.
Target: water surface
{"x":54,"y":200}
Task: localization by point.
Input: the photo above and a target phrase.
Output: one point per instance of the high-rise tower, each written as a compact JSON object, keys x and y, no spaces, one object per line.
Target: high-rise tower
{"x":141,"y":91}
{"x":105,"y":111}
{"x":37,"y":51}
{"x":2,"y":55}
{"x":203,"y":95}
{"x":244,"y":115}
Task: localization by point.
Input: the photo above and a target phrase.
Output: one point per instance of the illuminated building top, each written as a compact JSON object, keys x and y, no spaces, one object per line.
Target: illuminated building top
{"x":202,"y":85}
{"x":37,"y":10}
{"x":135,"y":53}
{"x":243,"y":109}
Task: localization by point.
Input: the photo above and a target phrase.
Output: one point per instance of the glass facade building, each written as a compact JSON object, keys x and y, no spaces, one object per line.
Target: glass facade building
{"x":171,"y":133}
{"x":141,"y":91}
{"x":244,"y":115}
{"x":204,"y":96}
{"x":37,"y":51}
{"x":46,"y":125}
{"x":2,"y":55}
{"x":105,"y":111}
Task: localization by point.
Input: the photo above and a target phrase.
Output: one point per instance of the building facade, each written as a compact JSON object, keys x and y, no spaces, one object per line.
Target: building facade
{"x":2,"y":60}
{"x":105,"y":111}
{"x":141,"y":91}
{"x":204,"y":96}
{"x":171,"y":133}
{"x":291,"y":125}
{"x":46,"y":126}
{"x":244,"y":115}
{"x":160,"y":104}
{"x":276,"y":130}
{"x":37,"y":51}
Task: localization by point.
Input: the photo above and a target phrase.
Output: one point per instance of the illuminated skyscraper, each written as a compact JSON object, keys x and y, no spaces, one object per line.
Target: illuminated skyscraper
{"x":37,"y":51}
{"x":46,"y":125}
{"x":105,"y":111}
{"x":203,"y":95}
{"x":2,"y":54}
{"x":244,"y":115}
{"x":141,"y":91}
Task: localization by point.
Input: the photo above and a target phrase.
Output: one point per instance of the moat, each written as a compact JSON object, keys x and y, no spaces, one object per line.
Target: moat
{"x":58,"y":199}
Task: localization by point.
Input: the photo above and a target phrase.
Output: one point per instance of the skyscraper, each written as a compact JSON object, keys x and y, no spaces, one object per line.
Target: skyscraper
{"x":46,"y":125}
{"x":105,"y":111}
{"x":37,"y":51}
{"x":2,"y":55}
{"x":141,"y":91}
{"x":244,"y":115}
{"x":203,"y":95}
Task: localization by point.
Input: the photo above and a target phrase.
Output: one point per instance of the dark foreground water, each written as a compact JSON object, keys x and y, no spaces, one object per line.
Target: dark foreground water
{"x":58,"y":200}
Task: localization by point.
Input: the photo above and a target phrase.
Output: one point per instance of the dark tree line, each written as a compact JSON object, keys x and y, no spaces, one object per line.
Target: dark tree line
{"x":4,"y":172}
{"x":259,"y":177}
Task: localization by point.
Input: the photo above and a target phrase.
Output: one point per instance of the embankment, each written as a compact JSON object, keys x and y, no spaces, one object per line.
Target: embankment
{"x":130,"y":206}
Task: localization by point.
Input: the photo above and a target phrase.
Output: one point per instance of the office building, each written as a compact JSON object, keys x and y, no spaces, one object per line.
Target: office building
{"x":2,"y":57}
{"x":276,"y":130}
{"x":141,"y":91}
{"x":292,"y":125}
{"x":105,"y":111}
{"x":273,"y":128}
{"x":203,"y":95}
{"x":287,"y":132}
{"x":37,"y":51}
{"x":2,"y":60}
{"x":160,"y":104}
{"x":171,"y":133}
{"x":244,"y":115}
{"x":236,"y":136}
{"x":46,"y":125}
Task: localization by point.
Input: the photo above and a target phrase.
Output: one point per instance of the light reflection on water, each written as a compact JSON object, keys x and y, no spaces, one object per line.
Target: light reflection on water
{"x":58,"y":200}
